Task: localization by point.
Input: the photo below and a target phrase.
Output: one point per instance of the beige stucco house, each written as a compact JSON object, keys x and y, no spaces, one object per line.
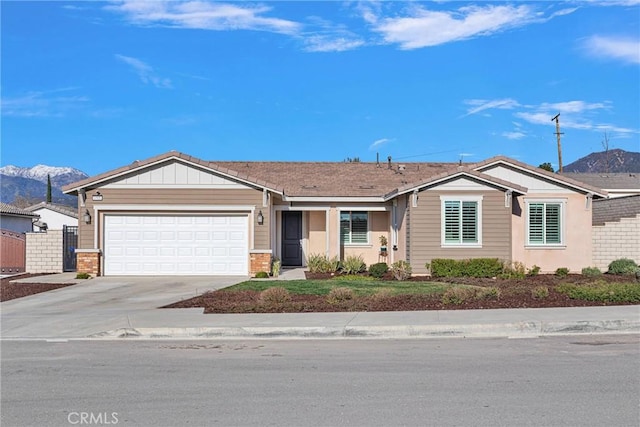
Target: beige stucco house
{"x":176,"y":214}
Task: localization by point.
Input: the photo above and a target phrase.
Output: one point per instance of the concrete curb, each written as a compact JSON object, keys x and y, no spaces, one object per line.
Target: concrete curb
{"x":509,"y":330}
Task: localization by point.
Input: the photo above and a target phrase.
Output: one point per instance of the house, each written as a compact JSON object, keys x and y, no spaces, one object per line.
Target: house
{"x":615,"y":184}
{"x":175,"y":214}
{"x":54,"y":216}
{"x":14,"y":223}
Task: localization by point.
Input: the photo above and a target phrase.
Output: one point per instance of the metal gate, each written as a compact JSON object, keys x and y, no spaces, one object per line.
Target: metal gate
{"x":69,"y":245}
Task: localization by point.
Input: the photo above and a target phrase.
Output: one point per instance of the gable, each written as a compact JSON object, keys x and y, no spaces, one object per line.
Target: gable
{"x":174,"y":174}
{"x":533,"y":183}
{"x":460,"y":184}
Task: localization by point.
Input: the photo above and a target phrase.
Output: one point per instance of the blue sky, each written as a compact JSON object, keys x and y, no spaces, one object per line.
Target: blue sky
{"x":96,"y":85}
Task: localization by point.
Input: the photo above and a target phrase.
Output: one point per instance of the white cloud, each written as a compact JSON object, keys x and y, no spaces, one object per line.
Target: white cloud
{"x":145,"y":72}
{"x":431,"y":28}
{"x":331,"y":43}
{"x":623,"y":49}
{"x":478,"y":105}
{"x":514,"y":135}
{"x":203,"y":15}
{"x":379,"y":142}
{"x":43,"y":104}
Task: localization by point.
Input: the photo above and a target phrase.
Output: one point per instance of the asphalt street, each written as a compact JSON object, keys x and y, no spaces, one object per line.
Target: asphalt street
{"x":550,"y":381}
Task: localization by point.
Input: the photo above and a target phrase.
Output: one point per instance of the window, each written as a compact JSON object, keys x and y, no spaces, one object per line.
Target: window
{"x":544,"y":223}
{"x":461,"y":221}
{"x":354,"y":228}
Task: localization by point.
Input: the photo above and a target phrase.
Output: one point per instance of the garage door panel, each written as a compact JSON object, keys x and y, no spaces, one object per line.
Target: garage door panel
{"x":203,"y":244}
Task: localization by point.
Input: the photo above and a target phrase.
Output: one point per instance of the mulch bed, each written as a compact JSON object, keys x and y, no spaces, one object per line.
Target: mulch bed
{"x":514,"y":293}
{"x":9,"y":291}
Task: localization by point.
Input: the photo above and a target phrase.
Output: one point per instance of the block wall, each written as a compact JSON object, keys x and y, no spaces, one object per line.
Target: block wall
{"x":614,"y":240}
{"x":44,"y":252}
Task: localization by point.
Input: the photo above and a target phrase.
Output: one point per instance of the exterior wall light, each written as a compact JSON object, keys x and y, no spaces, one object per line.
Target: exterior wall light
{"x":87,"y":217}
{"x":260,"y":218}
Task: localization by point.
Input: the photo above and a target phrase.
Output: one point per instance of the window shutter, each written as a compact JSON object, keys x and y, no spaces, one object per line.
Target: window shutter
{"x":452,"y":221}
{"x":536,"y":223}
{"x":552,"y":223}
{"x":469,"y":222}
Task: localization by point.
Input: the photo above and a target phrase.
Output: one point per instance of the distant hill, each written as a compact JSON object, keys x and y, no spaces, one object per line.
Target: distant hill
{"x":29,"y":185}
{"x":615,"y":161}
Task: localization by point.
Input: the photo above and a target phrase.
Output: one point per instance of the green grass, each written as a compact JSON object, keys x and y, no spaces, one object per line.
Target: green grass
{"x":360,"y":287}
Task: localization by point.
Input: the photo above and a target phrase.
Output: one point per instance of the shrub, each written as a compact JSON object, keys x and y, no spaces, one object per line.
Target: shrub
{"x":457,"y":295}
{"x":378,"y":270}
{"x":338,"y":295}
{"x":602,"y":291}
{"x":533,"y":271}
{"x":623,"y":266}
{"x":274,"y":297}
{"x":488,"y":293}
{"x":319,"y":263}
{"x":353,"y":264}
{"x":540,"y":292}
{"x":83,"y":276}
{"x":515,"y":270}
{"x":275,"y":267}
{"x":262,"y":275}
{"x":475,"y":267}
{"x":591,"y":271}
{"x":383,"y":293}
{"x":562,"y":271}
{"x":401,"y":270}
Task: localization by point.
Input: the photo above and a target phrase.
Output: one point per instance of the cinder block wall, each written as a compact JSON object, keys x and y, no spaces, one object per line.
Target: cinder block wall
{"x":614,"y":240}
{"x":44,"y":252}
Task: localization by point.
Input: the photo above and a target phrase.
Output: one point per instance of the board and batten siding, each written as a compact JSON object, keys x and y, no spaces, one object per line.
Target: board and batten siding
{"x":175,"y":197}
{"x":425,"y":228}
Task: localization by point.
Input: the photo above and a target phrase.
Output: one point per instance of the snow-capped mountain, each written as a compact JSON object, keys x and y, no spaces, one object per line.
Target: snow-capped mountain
{"x":30,"y":184}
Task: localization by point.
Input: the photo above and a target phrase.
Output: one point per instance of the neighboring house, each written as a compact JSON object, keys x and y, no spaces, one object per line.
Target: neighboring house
{"x":176,"y":214}
{"x":615,"y":184}
{"x":14,"y":223}
{"x":616,"y":230}
{"x":53,"y":216}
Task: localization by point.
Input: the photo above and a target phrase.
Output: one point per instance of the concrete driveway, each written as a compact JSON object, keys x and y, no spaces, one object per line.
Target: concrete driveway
{"x":106,"y":303}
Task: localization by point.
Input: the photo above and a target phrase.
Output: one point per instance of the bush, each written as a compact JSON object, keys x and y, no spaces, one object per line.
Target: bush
{"x":461,"y":294}
{"x":591,"y":271}
{"x":275,"y":267}
{"x":401,"y":270}
{"x":513,"y":271}
{"x":319,"y":263}
{"x":540,"y":292}
{"x":623,"y":266}
{"x":274,"y":297}
{"x":533,"y":271}
{"x":475,"y":267}
{"x":353,"y":264}
{"x":488,"y":293}
{"x":378,"y":270}
{"x":339,"y":295}
{"x":562,"y":271}
{"x":262,"y":275}
{"x":83,"y":276}
{"x":602,"y":291}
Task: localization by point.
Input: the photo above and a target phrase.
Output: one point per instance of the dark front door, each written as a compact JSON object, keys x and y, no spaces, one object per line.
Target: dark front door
{"x":69,"y":244}
{"x":291,"y":238}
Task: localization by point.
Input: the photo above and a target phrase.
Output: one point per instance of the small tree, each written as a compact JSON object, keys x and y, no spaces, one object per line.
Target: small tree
{"x":48,"y":188}
{"x":546,"y":166}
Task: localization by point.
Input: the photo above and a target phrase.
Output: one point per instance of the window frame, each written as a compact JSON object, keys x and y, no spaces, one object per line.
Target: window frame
{"x":561,"y":217}
{"x":461,"y":199}
{"x":350,"y":242}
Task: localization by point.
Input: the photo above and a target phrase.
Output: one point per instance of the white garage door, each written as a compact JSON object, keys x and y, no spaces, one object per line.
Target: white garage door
{"x":175,"y":245}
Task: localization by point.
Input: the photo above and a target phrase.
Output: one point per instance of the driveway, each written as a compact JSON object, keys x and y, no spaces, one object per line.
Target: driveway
{"x":106,"y":303}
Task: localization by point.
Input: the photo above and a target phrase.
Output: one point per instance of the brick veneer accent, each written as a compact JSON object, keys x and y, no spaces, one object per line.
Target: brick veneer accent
{"x":44,"y":252}
{"x":88,"y":262}
{"x":259,"y":261}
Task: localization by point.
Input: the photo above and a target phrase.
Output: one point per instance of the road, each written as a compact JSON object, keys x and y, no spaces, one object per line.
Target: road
{"x":560,"y":381}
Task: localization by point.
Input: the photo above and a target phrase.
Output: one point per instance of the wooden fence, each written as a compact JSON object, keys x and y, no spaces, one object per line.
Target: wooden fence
{"x":12,"y":251}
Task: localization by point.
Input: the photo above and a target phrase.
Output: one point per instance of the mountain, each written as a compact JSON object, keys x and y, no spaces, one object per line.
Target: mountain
{"x":29,"y":185}
{"x":613,"y":161}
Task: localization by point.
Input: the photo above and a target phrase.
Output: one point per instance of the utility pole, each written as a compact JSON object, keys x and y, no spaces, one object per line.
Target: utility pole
{"x":558,"y":133}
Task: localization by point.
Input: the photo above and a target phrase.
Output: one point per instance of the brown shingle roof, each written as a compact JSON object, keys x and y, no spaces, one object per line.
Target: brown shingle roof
{"x":608,"y":210}
{"x":65,"y":210}
{"x":8,"y":209}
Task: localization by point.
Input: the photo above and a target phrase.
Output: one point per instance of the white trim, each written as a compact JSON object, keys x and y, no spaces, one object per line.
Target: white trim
{"x":376,"y":199}
{"x":155,"y":208}
{"x":435,"y":183}
{"x":562,"y":201}
{"x":443,"y":242}
{"x":260,"y":251}
{"x":368,"y":244}
{"x":88,"y":251}
{"x":368,"y":208}
{"x":300,"y":208}
{"x":326,"y":232}
{"x":178,"y":186}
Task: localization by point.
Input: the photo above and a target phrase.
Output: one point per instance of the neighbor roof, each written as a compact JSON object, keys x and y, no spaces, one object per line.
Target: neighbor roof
{"x":8,"y":209}
{"x":610,"y":181}
{"x":62,"y":209}
{"x":608,"y":210}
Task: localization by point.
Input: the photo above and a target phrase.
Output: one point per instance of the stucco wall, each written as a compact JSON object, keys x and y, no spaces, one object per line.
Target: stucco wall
{"x":55,"y":220}
{"x":614,"y":240}
{"x":19,"y":224}
{"x":44,"y":252}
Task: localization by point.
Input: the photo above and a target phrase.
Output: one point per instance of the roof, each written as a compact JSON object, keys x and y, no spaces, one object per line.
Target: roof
{"x":61,"y":209}
{"x":7,"y":209}
{"x":609,"y":210}
{"x":609,"y":181}
{"x":562,"y":179}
